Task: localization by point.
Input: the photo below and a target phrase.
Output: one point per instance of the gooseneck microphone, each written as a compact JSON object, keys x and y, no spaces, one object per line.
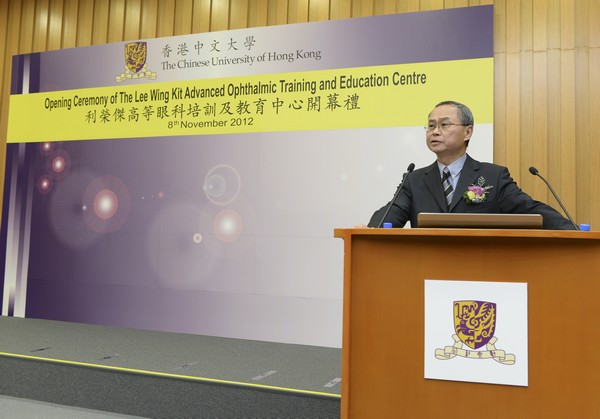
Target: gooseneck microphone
{"x":410,"y":168}
{"x":535,"y":172}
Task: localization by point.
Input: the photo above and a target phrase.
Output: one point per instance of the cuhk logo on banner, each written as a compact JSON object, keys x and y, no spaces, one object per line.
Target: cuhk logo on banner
{"x":135,"y":62}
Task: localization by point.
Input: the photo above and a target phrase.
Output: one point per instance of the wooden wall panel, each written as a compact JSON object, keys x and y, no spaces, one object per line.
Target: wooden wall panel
{"x":500,"y":106}
{"x":55,"y":24}
{"x":201,"y":20}
{"x":547,"y":83}
{"x":26,"y":32}
{"x":40,"y":26}
{"x":297,"y":11}
{"x":582,"y":28}
{"x":4,"y":87}
{"x":277,"y":13}
{"x":116,"y":20}
{"x":539,"y":121}
{"x":499,"y":26}
{"x":183,"y":17}
{"x":582,"y":126}
{"x":69,"y":24}
{"x":431,"y":5}
{"x":133,"y":24}
{"x":85,"y":21}
{"x":513,"y":113}
{"x":149,"y":19}
{"x":219,"y":15}
{"x":525,"y":37}
{"x":100,"y":22}
{"x":553,"y":20}
{"x":384,"y":7}
{"x":166,"y":18}
{"x":451,"y":4}
{"x":526,"y":156}
{"x":593,"y":27}
{"x":340,"y":9}
{"x":318,"y":10}
{"x":257,"y":13}
{"x":568,"y":139}
{"x":362,"y":8}
{"x":238,"y":16}
{"x":567,"y":25}
{"x":539,"y":25}
{"x":592,"y":195}
{"x":553,"y":136}
{"x":513,"y":26}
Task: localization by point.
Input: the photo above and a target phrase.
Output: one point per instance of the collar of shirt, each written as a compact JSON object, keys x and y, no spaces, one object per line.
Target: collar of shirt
{"x":455,"y":168}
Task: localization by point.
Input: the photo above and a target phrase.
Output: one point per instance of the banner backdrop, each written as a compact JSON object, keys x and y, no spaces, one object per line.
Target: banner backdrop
{"x":192,"y":184}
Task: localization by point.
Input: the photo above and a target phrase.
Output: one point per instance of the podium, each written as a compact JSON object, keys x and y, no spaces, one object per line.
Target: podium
{"x":383,"y":331}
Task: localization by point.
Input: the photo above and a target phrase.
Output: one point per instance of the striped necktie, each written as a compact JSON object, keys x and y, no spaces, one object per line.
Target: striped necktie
{"x":447,"y":186}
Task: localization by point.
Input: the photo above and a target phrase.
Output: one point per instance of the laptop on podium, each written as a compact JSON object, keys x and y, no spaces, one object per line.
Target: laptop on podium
{"x":474,"y":220}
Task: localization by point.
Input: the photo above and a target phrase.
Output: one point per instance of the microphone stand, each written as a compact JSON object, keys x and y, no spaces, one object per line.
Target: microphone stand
{"x":535,"y":172}
{"x":410,"y":168}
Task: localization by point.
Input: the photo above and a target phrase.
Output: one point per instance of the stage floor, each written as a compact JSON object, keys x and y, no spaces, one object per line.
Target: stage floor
{"x":16,"y":408}
{"x":298,"y":369}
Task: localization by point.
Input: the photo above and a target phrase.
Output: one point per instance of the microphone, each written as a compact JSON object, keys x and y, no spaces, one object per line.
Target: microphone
{"x":410,"y":168}
{"x":535,"y":172}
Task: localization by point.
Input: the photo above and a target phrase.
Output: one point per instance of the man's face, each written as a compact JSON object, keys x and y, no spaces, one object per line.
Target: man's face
{"x":446,"y":136}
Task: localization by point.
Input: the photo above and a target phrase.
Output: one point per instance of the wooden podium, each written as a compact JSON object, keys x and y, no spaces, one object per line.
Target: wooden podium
{"x":383,"y":332}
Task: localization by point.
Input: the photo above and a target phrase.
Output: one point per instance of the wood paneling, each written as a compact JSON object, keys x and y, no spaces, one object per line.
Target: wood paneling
{"x":166,"y":18}
{"x":340,"y":9}
{"x":116,"y":20}
{"x":55,"y":24}
{"x":219,"y":15}
{"x":547,"y":84}
{"x":4,"y":88}
{"x":69,"y":24}
{"x":297,"y":11}
{"x":133,"y":23}
{"x":364,"y":8}
{"x":318,"y":10}
{"x":85,"y":22}
{"x":238,"y":18}
{"x":183,"y":17}
{"x":100,"y":22}
{"x":257,"y":13}
{"x":277,"y":12}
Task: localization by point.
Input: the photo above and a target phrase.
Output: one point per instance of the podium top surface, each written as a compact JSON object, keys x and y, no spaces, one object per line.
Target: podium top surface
{"x":344,"y":233}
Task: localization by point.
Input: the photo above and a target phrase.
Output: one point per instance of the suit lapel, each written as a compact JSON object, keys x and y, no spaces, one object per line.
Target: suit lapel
{"x":468,"y":176}
{"x":433,"y":181}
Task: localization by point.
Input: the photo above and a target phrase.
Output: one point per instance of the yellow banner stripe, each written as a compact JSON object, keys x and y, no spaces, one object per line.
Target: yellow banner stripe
{"x":364,"y":97}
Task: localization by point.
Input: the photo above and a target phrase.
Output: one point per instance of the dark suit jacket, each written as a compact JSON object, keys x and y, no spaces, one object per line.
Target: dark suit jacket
{"x":422,"y":192}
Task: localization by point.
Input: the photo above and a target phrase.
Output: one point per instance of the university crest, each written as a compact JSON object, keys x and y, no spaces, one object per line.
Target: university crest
{"x":135,"y":62}
{"x":474,"y":326}
{"x":135,"y":55}
{"x":474,"y":322}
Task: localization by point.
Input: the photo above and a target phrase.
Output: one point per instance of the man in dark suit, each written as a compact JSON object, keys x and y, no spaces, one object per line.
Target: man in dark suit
{"x":468,"y":185}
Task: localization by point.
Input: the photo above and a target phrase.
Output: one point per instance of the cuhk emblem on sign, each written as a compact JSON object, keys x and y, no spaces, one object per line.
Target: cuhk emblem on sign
{"x":135,"y":62}
{"x":474,"y":322}
{"x":474,"y":326}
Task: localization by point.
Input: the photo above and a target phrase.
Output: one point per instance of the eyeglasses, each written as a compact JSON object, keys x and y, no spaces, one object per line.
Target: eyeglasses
{"x":443,"y":126}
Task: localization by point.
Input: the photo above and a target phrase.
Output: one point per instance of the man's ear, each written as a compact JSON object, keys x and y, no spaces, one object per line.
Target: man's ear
{"x":469,"y":132}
